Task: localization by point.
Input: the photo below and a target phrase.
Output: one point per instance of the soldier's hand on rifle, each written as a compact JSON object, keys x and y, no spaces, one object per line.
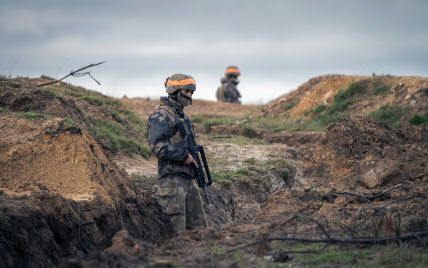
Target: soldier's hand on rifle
{"x":190,"y":161}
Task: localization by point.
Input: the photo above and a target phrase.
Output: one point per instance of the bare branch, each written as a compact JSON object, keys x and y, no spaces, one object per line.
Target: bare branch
{"x":357,"y":240}
{"x":76,"y":73}
{"x":366,"y":197}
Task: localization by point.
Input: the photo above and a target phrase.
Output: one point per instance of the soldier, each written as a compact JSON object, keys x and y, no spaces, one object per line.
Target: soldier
{"x":178,"y":194}
{"x":228,"y":92}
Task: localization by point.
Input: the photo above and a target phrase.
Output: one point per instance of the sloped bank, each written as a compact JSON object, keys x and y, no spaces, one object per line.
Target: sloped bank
{"x":60,"y":194}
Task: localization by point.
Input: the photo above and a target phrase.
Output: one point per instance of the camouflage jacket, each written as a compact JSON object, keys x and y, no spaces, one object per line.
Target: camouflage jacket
{"x":230,"y":91}
{"x":166,"y":141}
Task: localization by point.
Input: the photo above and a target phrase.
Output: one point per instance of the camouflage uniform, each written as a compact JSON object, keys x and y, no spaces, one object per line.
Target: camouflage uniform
{"x":228,"y":91}
{"x":178,"y":193}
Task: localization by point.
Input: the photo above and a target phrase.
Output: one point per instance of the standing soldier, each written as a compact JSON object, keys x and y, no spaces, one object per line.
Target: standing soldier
{"x":178,"y":194}
{"x":228,"y":91}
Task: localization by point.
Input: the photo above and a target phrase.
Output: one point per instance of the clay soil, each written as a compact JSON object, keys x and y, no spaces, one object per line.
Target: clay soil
{"x":67,"y":200}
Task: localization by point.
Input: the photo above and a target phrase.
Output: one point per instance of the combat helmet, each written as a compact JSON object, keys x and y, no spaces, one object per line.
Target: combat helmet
{"x":179,"y":81}
{"x":232,"y":71}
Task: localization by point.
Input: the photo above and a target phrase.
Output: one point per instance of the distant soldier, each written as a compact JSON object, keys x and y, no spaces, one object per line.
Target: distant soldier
{"x":228,"y":91}
{"x":178,"y":194}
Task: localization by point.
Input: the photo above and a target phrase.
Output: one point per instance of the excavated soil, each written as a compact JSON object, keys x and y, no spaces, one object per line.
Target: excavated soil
{"x":326,"y":191}
{"x":67,"y":200}
{"x":404,"y":91}
{"x":60,"y":193}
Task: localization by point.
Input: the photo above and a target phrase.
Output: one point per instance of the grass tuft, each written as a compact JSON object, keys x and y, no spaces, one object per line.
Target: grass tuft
{"x":389,"y":115}
{"x":113,"y":134}
{"x":418,"y":119}
{"x":381,"y":89}
{"x":31,"y":115}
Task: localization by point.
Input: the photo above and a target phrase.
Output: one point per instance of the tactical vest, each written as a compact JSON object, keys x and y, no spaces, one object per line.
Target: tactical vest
{"x":166,"y":167}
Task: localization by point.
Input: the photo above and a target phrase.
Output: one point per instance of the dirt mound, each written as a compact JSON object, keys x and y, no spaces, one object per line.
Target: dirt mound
{"x":362,"y":150}
{"x":387,"y":90}
{"x":107,"y":120}
{"x":61,"y":194}
{"x":316,"y":91}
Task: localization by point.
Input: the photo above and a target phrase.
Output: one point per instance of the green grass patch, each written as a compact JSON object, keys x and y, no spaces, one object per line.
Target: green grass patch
{"x":74,"y":93}
{"x":100,"y":100}
{"x":208,"y":122}
{"x":288,"y":106}
{"x":113,"y":134}
{"x":253,"y":170}
{"x":130,"y":117}
{"x":346,"y":97}
{"x":266,"y":122}
{"x":381,"y":89}
{"x":89,"y":96}
{"x":351,"y":91}
{"x":419,"y":119}
{"x":4,"y":109}
{"x":324,"y":115}
{"x":319,"y":109}
{"x":387,"y":256}
{"x":69,"y":123}
{"x":53,"y":92}
{"x":389,"y":115}
{"x":31,"y":115}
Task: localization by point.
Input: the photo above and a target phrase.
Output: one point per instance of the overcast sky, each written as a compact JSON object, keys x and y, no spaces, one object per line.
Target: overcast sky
{"x":278,"y":45}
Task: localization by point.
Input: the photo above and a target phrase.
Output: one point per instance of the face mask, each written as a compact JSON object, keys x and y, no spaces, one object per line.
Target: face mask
{"x":184,"y":99}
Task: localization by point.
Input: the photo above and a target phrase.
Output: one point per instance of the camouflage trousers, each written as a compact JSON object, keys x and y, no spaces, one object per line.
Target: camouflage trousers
{"x":181,"y":201}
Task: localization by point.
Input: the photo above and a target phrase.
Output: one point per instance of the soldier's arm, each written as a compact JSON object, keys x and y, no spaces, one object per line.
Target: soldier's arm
{"x":160,"y":131}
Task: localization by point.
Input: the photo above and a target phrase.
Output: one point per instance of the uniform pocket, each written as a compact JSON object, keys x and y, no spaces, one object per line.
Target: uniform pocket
{"x":170,"y":200}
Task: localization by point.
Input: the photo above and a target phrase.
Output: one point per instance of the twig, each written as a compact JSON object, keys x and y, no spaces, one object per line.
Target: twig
{"x":424,"y":195}
{"x":331,"y":240}
{"x":75,"y":73}
{"x":367,"y":197}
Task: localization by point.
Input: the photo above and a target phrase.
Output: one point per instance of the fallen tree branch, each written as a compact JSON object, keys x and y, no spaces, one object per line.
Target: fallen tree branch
{"x":76,"y":74}
{"x":332,"y":240}
{"x":367,"y":197}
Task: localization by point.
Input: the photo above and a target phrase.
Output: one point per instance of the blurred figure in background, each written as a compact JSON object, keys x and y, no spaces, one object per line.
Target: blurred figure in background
{"x":228,"y":91}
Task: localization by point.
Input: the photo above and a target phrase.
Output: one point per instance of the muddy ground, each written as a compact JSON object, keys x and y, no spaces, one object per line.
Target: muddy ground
{"x":68,"y":200}
{"x":324,"y":187}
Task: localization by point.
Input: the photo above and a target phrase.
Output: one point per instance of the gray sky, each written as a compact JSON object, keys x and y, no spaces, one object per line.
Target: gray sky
{"x":278,"y":45}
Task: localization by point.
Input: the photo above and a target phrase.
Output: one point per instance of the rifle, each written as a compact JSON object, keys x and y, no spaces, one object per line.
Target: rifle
{"x":203,"y":176}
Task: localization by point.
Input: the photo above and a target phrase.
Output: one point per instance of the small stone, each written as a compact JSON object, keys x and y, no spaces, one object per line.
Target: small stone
{"x":341,"y":201}
{"x":328,"y":210}
{"x":381,"y":173}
